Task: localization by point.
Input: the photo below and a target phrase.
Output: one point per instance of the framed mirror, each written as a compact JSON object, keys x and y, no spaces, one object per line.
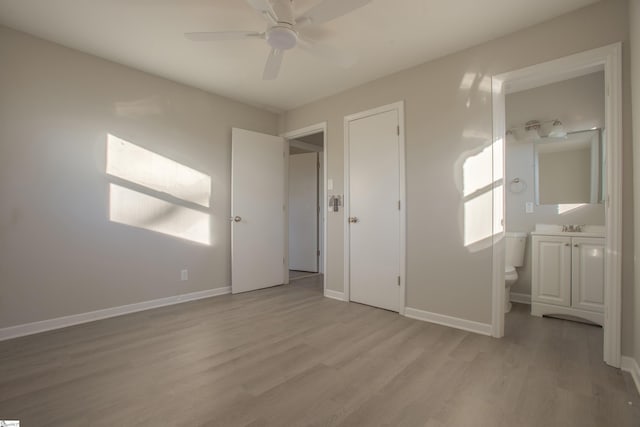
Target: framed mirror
{"x":570,"y":170}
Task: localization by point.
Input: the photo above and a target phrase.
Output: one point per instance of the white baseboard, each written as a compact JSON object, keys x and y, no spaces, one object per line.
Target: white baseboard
{"x":520,"y":298}
{"x":453,"y":322}
{"x":630,"y":365}
{"x":334,"y":295}
{"x":75,"y":319}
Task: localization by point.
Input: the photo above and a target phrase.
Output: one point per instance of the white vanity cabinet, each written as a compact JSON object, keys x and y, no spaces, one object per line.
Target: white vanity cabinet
{"x":568,"y":275}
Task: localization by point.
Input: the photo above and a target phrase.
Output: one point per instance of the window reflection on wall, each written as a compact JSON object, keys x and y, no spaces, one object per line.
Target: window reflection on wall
{"x":483,"y":194}
{"x":156,"y":193}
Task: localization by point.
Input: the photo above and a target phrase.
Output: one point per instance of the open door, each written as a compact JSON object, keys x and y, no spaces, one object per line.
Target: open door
{"x":257,"y":210}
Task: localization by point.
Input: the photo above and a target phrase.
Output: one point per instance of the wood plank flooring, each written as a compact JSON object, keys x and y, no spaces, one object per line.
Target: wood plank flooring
{"x":296,"y":274}
{"x":286,"y":356}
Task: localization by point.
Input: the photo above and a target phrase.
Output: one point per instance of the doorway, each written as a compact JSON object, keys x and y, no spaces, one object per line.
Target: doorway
{"x":375,"y":208}
{"x":608,"y":60}
{"x":305,"y":202}
{"x":306,"y":219}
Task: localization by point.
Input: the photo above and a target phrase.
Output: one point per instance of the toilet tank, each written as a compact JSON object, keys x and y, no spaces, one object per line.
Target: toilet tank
{"x":514,"y":251}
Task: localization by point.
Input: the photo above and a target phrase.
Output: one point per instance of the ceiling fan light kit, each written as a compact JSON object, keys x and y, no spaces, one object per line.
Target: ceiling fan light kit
{"x":284,"y":31}
{"x":282,"y":37}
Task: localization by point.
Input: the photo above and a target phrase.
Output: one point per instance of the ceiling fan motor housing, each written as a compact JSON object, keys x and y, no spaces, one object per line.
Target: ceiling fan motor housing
{"x":282,"y":37}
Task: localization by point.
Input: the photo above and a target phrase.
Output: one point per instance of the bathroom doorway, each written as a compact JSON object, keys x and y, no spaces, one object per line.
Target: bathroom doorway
{"x":558,"y":133}
{"x":306,"y":231}
{"x":305,"y":189}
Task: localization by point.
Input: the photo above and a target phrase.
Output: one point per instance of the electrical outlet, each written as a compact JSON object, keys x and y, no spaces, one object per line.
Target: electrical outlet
{"x":184,"y":275}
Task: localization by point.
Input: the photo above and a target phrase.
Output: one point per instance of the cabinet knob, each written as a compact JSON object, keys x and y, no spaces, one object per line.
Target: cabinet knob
{"x":567,"y":244}
{"x":576,"y":245}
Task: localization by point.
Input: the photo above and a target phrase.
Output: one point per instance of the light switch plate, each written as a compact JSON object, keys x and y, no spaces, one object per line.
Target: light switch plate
{"x":528,"y":207}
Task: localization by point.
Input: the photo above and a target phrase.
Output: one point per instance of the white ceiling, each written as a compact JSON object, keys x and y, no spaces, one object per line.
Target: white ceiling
{"x":386,"y":35}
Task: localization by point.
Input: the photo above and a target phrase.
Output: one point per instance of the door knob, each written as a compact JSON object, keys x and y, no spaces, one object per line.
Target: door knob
{"x":235,"y":218}
{"x":353,"y":219}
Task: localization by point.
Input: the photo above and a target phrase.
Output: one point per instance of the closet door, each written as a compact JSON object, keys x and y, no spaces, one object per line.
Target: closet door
{"x":374,"y":210}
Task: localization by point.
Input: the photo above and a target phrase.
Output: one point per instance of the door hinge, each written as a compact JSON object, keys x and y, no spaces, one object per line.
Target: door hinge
{"x":398,"y":130}
{"x":398,"y":280}
{"x":398,"y":204}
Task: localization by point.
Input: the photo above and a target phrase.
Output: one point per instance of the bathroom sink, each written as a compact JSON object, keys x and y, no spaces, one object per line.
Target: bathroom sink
{"x":561,"y":230}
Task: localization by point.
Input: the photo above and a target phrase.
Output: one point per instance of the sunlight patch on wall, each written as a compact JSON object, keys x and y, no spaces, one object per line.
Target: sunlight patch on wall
{"x":140,"y":210}
{"x":477,"y":172}
{"x":471,"y":79}
{"x":478,"y":214}
{"x":138,"y":165}
{"x":482,"y":177}
{"x":569,"y":207}
{"x":154,"y":193}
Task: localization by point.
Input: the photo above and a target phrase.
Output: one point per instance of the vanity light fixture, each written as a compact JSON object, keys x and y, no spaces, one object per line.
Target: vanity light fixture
{"x":557,"y":130}
{"x":532,"y":130}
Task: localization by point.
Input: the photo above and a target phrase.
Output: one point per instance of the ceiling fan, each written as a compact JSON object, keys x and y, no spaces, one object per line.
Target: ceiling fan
{"x":285,"y":31}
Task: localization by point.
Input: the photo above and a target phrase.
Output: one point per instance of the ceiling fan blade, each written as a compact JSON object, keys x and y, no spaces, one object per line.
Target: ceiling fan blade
{"x":272,"y":67}
{"x":222,"y":35}
{"x":329,"y":10}
{"x":328,"y":53}
{"x":264,"y":8}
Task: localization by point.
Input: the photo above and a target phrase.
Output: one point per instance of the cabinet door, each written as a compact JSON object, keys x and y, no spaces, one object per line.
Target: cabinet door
{"x":588,"y":274}
{"x":551,"y":275}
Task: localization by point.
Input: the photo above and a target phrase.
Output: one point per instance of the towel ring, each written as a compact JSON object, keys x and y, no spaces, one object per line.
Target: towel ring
{"x":517,"y":186}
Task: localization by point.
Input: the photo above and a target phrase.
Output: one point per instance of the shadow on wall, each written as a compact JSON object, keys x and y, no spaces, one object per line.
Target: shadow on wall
{"x":154,"y":193}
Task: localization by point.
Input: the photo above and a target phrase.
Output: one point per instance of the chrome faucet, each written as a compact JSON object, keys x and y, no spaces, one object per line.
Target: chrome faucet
{"x":572,"y":228}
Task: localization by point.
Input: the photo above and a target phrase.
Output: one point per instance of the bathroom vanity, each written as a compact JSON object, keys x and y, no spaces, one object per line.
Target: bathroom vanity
{"x":568,"y":273}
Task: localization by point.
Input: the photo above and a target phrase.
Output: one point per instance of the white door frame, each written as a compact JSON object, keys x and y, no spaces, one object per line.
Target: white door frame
{"x":609,"y":59}
{"x":299,"y":133}
{"x":399,"y":107}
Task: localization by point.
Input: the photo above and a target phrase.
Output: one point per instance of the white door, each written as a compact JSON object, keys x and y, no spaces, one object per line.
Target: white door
{"x":551,"y":275}
{"x":303,"y":212}
{"x":374,"y":210}
{"x":257,"y":210}
{"x":588,"y":274}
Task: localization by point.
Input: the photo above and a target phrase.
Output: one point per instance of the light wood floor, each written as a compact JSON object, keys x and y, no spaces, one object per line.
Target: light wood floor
{"x":296,"y":274}
{"x":286,"y":356}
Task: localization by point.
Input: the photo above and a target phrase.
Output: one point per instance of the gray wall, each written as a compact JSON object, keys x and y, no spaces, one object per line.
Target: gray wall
{"x":634,"y":16}
{"x":60,"y":253}
{"x":579,"y":104}
{"x":446,"y":123}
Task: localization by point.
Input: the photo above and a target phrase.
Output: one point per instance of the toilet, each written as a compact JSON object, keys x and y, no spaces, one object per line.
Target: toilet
{"x":514,"y":257}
